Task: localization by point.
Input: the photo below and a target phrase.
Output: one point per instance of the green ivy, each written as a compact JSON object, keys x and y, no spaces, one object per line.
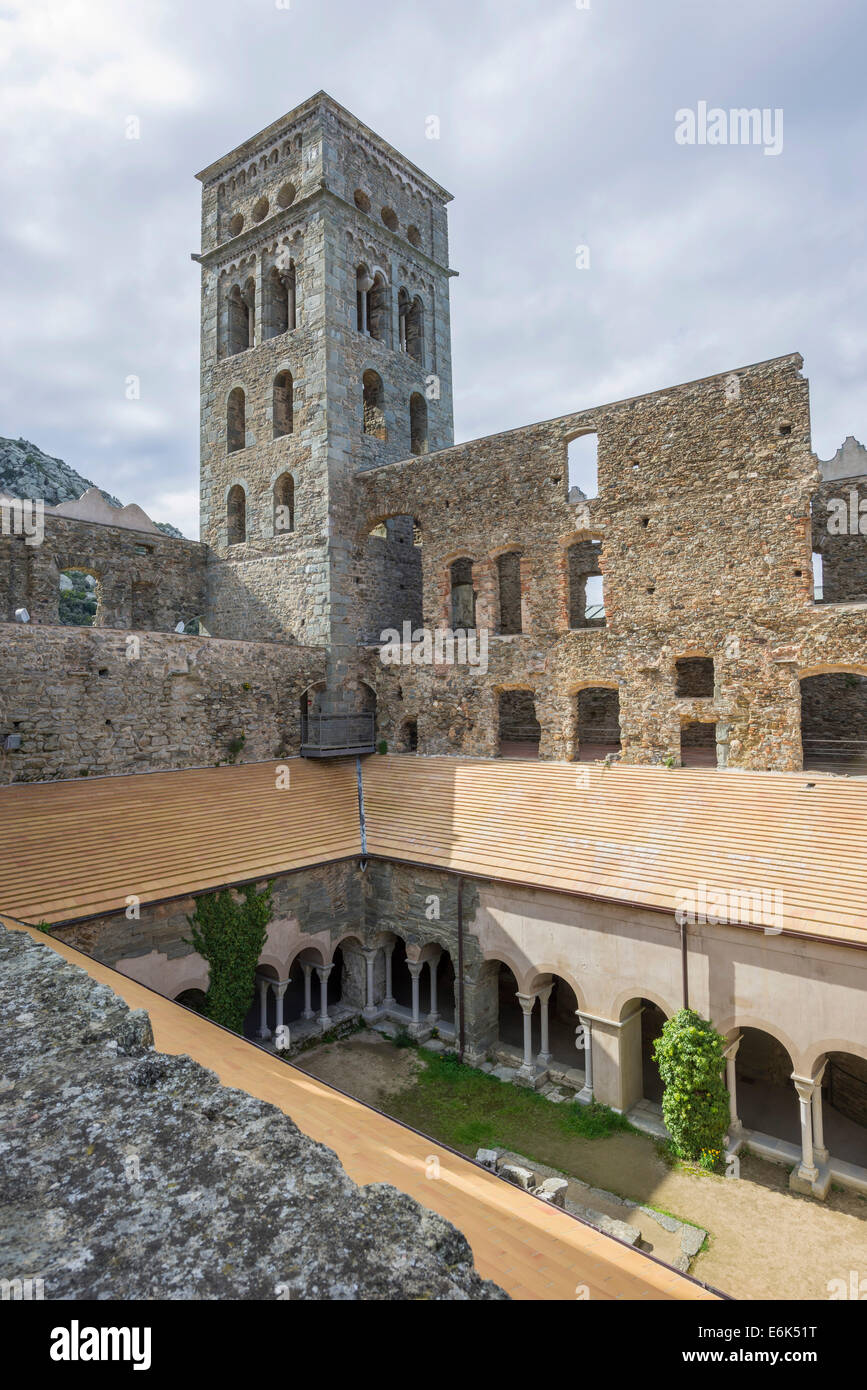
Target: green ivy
{"x":230,"y":933}
{"x":695,"y":1104}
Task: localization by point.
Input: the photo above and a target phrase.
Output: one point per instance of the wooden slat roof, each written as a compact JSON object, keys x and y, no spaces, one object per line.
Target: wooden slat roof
{"x":633,"y":834}
{"x":626,"y":834}
{"x":77,"y":849}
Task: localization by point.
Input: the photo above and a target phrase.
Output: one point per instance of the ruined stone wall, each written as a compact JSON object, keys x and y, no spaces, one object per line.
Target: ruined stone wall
{"x":90,"y":701}
{"x":704,"y":516}
{"x":315,"y":906}
{"x":392,"y":580}
{"x":839,"y":532}
{"x":145,"y":580}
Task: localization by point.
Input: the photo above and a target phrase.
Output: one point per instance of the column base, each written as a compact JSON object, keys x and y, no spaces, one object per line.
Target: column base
{"x":369,"y":1014}
{"x":821,"y":1156}
{"x":530,"y":1077}
{"x":264,"y":1034}
{"x":584,"y":1096}
{"x":811,"y":1182}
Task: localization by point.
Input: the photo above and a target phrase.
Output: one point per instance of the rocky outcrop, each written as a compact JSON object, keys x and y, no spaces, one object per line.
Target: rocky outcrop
{"x":26,"y":471}
{"x":128,"y":1174}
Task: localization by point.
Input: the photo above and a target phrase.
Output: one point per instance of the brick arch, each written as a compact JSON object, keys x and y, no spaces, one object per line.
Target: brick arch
{"x":830,"y":668}
{"x":595,"y":683}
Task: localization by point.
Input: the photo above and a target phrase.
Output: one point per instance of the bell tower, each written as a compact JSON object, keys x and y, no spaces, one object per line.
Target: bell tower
{"x":325,"y":350}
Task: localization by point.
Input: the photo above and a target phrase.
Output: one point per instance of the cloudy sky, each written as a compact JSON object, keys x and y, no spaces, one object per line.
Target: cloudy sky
{"x":557,"y":131}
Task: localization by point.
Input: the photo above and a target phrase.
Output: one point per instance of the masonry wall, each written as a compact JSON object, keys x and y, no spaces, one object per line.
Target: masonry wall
{"x":704,"y":517}
{"x":145,"y":580}
{"x":96,"y":702}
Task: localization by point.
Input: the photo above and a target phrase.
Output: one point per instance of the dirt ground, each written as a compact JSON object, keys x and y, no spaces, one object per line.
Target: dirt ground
{"x":765,"y":1242}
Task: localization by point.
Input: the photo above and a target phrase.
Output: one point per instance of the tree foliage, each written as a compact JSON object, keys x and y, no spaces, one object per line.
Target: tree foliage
{"x":230,"y":933}
{"x":695,"y":1104}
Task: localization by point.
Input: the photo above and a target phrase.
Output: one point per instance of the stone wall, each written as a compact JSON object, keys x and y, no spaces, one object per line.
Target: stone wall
{"x":145,"y":580}
{"x":703,"y":515}
{"x":839,"y":532}
{"x":166,"y":1141}
{"x":92,"y":701}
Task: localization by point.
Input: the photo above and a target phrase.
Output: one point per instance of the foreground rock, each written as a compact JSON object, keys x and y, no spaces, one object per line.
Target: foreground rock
{"x":128,"y":1174}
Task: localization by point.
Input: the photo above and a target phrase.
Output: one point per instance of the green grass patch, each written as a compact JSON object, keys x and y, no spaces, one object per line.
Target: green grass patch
{"x":470,"y":1110}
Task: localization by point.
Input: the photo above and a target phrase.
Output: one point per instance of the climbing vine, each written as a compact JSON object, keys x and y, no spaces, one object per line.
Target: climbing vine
{"x":695,"y":1104}
{"x":230,"y":933}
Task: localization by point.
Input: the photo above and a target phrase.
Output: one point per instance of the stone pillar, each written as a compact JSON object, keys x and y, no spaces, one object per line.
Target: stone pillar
{"x":369,"y":953}
{"x":415,"y":968}
{"x":585,"y":1095}
{"x":307,"y":967}
{"x":388,"y":952}
{"x":616,"y":1071}
{"x":433,"y":962}
{"x":264,"y":1030}
{"x":544,"y":995}
{"x":323,"y":971}
{"x":807,"y":1171}
{"x":730,"y":1052}
{"x":291,"y":320}
{"x":820,"y":1153}
{"x":279,"y":987}
{"x":526,"y":1069}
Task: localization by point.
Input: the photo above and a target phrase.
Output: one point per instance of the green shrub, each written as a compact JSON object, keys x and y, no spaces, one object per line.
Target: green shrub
{"x":695,"y":1104}
{"x":230,"y":935}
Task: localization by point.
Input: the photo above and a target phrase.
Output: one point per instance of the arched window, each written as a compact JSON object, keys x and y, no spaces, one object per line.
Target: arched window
{"x":379,"y":309}
{"x":236,"y":515}
{"x":279,"y":312}
{"x":410,"y":318}
{"x":374,"y":405}
{"x":236,"y":421}
{"x":282,"y":404}
{"x":415,"y":331}
{"x":417,"y":423}
{"x":363,"y":285}
{"x":402,"y":312}
{"x":463,"y":596}
{"x":509,"y":583}
{"x":284,"y":504}
{"x":238,"y":331}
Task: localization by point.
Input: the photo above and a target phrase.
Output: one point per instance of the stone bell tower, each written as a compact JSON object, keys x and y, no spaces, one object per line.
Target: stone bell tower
{"x":325,"y":350}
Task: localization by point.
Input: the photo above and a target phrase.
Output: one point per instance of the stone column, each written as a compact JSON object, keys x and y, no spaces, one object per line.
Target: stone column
{"x":544,"y":995}
{"x":323,"y":971}
{"x":807,"y":1171}
{"x":369,"y":953}
{"x":279,"y":987}
{"x":290,"y":298}
{"x":585,"y":1095}
{"x":264,"y":1030}
{"x":433,"y":962}
{"x":820,"y":1153}
{"x":730,"y":1052}
{"x":388,"y":952}
{"x":415,"y":968}
{"x":307,"y":1011}
{"x":526,"y":1069}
